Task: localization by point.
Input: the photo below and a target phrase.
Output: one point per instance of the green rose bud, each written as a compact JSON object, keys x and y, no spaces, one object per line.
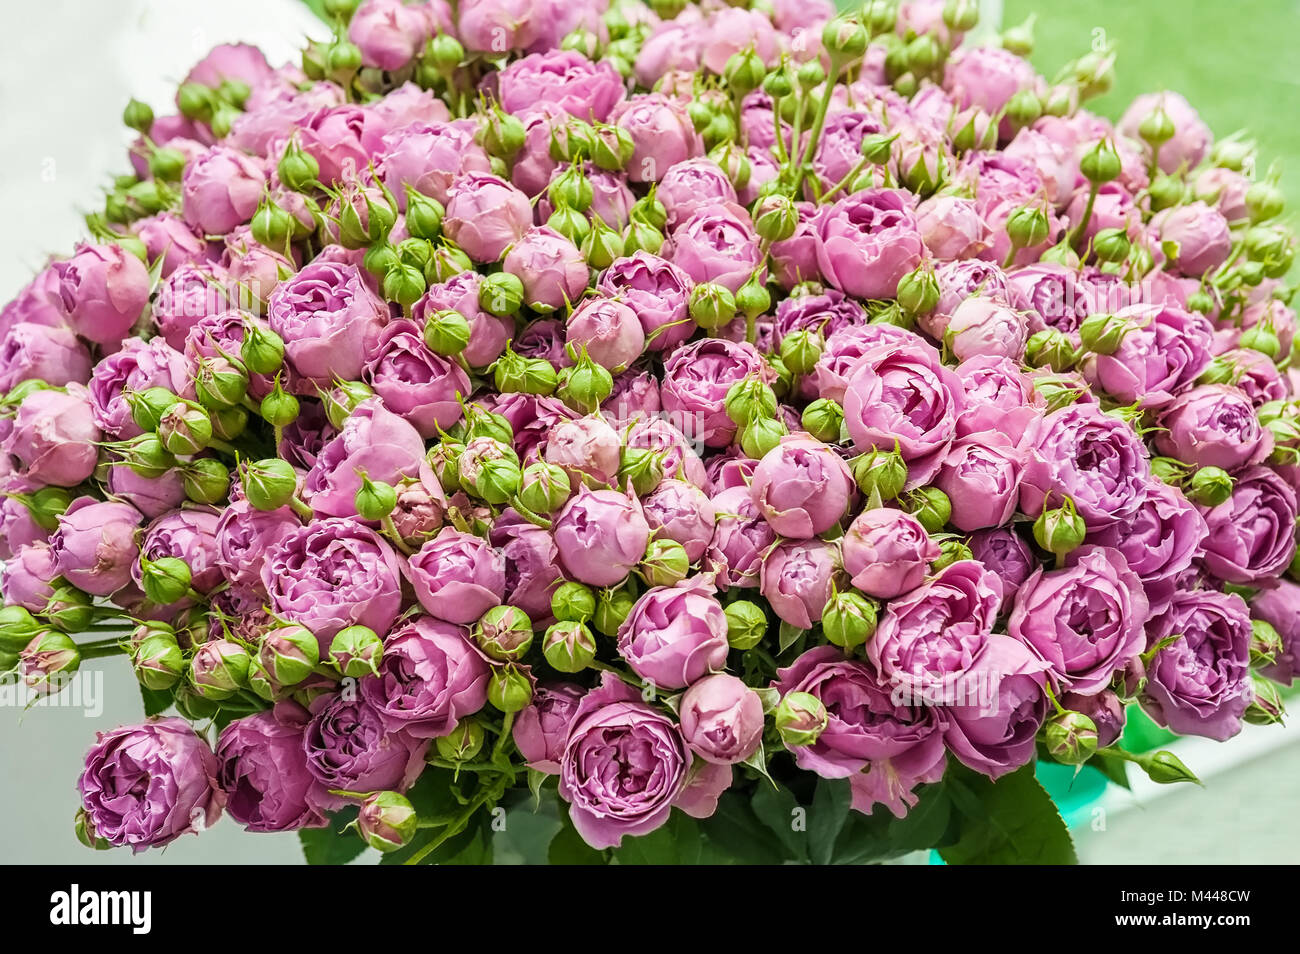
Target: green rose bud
{"x":929,"y":505}
{"x":1264,"y":201}
{"x":497,"y":480}
{"x":584,"y":385}
{"x":501,"y":294}
{"x":262,"y":351}
{"x":509,"y":689}
{"x":17,"y":628}
{"x":269,"y":484}
{"x":279,"y":408}
{"x":612,"y":607}
{"x":665,"y":563}
{"x":573,"y":602}
{"x":800,"y":351}
{"x":749,"y":399}
{"x":880,"y":471}
{"x":447,"y":262}
{"x":446,"y":332}
{"x":1050,"y":348}
{"x":1209,"y":486}
{"x":824,"y":420}
{"x":298,"y":169}
{"x":712,"y":305}
{"x":219,"y":382}
{"x":1262,"y":338}
{"x":951,"y":550}
{"x":1166,"y":768}
{"x":185,"y":428}
{"x":849,"y":620}
{"x":747,"y":624}
{"x":504,"y":633}
{"x":158,"y":661}
{"x":343,"y":398}
{"x":544,"y":488}
{"x":1027,"y":226}
{"x":1071,"y":737}
{"x":1165,"y":192}
{"x":1267,"y":707}
{"x":1101,"y":163}
{"x":753,"y":298}
{"x":148,"y":406}
{"x":760,"y":435}
{"x":1023,"y":109}
{"x":404,"y":284}
{"x":1156,"y":127}
{"x":643,"y":467}
{"x":355,"y":651}
{"x":569,"y":646}
{"x":463,"y":743}
{"x":289,"y":654}
{"x":918,"y":291}
{"x":374,"y":499}
{"x":1265,"y":643}
{"x":775,"y":217}
{"x":1060,"y":529}
{"x":800,"y":719}
{"x":387,"y":821}
{"x":146,"y":456}
{"x":219,"y":669}
{"x":138,"y":116}
{"x":1111,"y":245}
{"x":69,"y":608}
{"x":272,"y":225}
{"x":1103,"y":333}
{"x":165,"y":580}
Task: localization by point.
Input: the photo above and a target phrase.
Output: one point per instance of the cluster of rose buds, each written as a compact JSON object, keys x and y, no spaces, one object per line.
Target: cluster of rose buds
{"x":630,"y":392}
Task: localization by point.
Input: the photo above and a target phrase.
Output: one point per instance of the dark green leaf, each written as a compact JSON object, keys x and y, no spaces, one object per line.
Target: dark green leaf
{"x":676,"y":842}
{"x":865,"y":838}
{"x":1013,"y":821}
{"x":155,"y":702}
{"x":826,"y":818}
{"x":568,"y":848}
{"x":776,"y":807}
{"x":331,"y":845}
{"x":1112,"y":766}
{"x":923,"y":826}
{"x":738,"y":833}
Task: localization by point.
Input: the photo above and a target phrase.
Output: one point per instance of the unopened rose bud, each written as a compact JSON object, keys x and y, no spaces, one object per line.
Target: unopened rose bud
{"x":880,"y":471}
{"x":642,"y":236}
{"x":800,"y":718}
{"x":612,"y":607}
{"x":219,"y":382}
{"x":342,"y":399}
{"x":929,"y":505}
{"x":1166,"y":768}
{"x":844,"y":38}
{"x":463,"y":743}
{"x":269,"y":484}
{"x":1111,"y":245}
{"x":848,"y":620}
{"x":262,"y":351}
{"x":1103,"y":333}
{"x":1027,"y":226}
{"x":602,"y":246}
{"x":289,"y":654}
{"x":961,"y":15}
{"x":1265,"y":643}
{"x":1264,"y":201}
{"x":1267,"y":707}
{"x":374,"y":499}
{"x":584,"y":385}
{"x":614,"y":148}
{"x":1156,"y":127}
{"x":666,"y":563}
{"x":509,"y":688}
{"x":185,"y":428}
{"x":1209,"y":486}
{"x":775,"y":218}
{"x":158,"y":661}
{"x":1058,"y":530}
{"x":355,"y":651}
{"x":748,"y":399}
{"x":643,"y":467}
{"x":800,"y":351}
{"x":1100,"y":163}
{"x":17,"y":628}
{"x":50,"y":657}
{"x":753,"y":298}
{"x":1165,"y":192}
{"x":1071,"y":737}
{"x":138,"y":116}
{"x":951,"y":550}
{"x":544,"y":487}
{"x":387,"y":821}
{"x":747,"y":624}
{"x":760,"y":435}
{"x":918,"y":291}
{"x":1051,"y":348}
{"x":404,"y":284}
{"x":448,"y":261}
{"x":712,"y":305}
{"x":272,"y":225}
{"x":219,"y":669}
{"x":165,"y":580}
{"x":504,"y":633}
{"x":447,"y":332}
{"x":298,"y":169}
{"x":824,"y":420}
{"x":68,"y":608}
{"x":569,"y":646}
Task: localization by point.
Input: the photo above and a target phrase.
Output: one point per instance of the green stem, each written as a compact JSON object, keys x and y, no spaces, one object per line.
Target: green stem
{"x":781,"y":154}
{"x":100,"y":652}
{"x":301,"y":509}
{"x":1079,"y":229}
{"x":453,"y":829}
{"x":850,"y":177}
{"x":499,"y":748}
{"x":395,"y":538}
{"x":823,"y":106}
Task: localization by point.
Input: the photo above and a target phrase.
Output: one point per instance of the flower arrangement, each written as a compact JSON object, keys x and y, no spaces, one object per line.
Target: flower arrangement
{"x":745,"y":432}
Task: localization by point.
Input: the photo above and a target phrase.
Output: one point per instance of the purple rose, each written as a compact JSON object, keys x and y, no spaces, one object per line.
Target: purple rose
{"x":717,"y":244}
{"x":167,"y":237}
{"x":696,"y":379}
{"x":18,"y":528}
{"x":657,"y":291}
{"x":1058,"y":297}
{"x":374,"y":441}
{"x":952,"y":228}
{"x":676,"y":451}
{"x":457,"y":576}
{"x":1007,"y":555}
{"x":905,"y":396}
{"x":1162,"y":355}
{"x":246,"y":536}
{"x":985,"y":327}
{"x":486,"y":215}
{"x":1199,"y":234}
{"x":27,"y":575}
{"x":566,"y":78}
{"x":32,"y":352}
{"x":551,"y":268}
{"x":981,"y":476}
{"x":348,"y":747}
{"x":930,"y":636}
{"x":1214,"y":425}
{"x":1003,"y":705}
{"x":331,"y":574}
{"x":1096,"y":460}
{"x":541,"y":730}
{"x":103,"y":290}
{"x":531,"y":564}
{"x":138,"y":366}
{"x":740,"y":540}
{"x":680,"y":511}
{"x":722,"y":719}
{"x":389,"y":33}
{"x":95,"y":545}
{"x":586,"y":447}
{"x":54,"y":437}
{"x":488,"y":334}
{"x":1199,"y":684}
{"x":1255,"y":374}
{"x":624,"y":765}
{"x":423,"y":387}
{"x":262,"y":768}
{"x":609,"y":330}
{"x":843,"y":349}
{"x":887,"y":552}
{"x":146,"y":785}
{"x":662,"y":135}
{"x":601,"y":535}
{"x":1251,"y":535}
{"x":1085,"y":620}
{"x":1104,"y":709}
{"x":802,"y":487}
{"x":430,"y":678}
{"x":823,"y":314}
{"x":329,"y":319}
{"x":987,"y":77}
{"x":1280,"y":607}
{"x":188,"y":535}
{"x":429,"y":157}
{"x":1160,"y":540}
{"x":674,"y":635}
{"x":221,"y":189}
{"x":634,"y":397}
{"x":797,"y":579}
{"x":866,"y":728}
{"x":867,"y":241}
{"x":691,"y":186}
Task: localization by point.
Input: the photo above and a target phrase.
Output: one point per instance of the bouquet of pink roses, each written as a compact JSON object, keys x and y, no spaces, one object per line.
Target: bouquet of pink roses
{"x":733,"y":432}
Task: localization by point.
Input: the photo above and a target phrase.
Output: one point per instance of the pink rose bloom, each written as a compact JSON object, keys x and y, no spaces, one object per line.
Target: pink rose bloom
{"x":661,"y":132}
{"x":797,"y":579}
{"x":457,"y":576}
{"x":429,"y":157}
{"x":794,"y":260}
{"x":221,"y":189}
{"x":985,"y":326}
{"x":887,"y":552}
{"x":1162,"y":355}
{"x":681,"y":511}
{"x":981,"y":476}
{"x":1214,"y":425}
{"x":374,"y":442}
{"x":485,"y":215}
{"x":95,"y":546}
{"x":488,"y":334}
{"x":1199,"y":233}
{"x":609,"y":330}
{"x":601,"y":536}
{"x":551,"y":267}
{"x":657,"y":291}
{"x":722,"y":719}
{"x":42,"y":353}
{"x":423,"y":387}
{"x":696,"y":379}
{"x":541,"y":730}
{"x":717,"y":244}
{"x":169,"y":238}
{"x":586,"y":447}
{"x":675,"y":635}
{"x":951,"y":227}
{"x":987,"y":77}
{"x":802,"y":487}
{"x":103,"y":290}
{"x":867,"y":241}
{"x":389,"y":33}
{"x":584,"y":89}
